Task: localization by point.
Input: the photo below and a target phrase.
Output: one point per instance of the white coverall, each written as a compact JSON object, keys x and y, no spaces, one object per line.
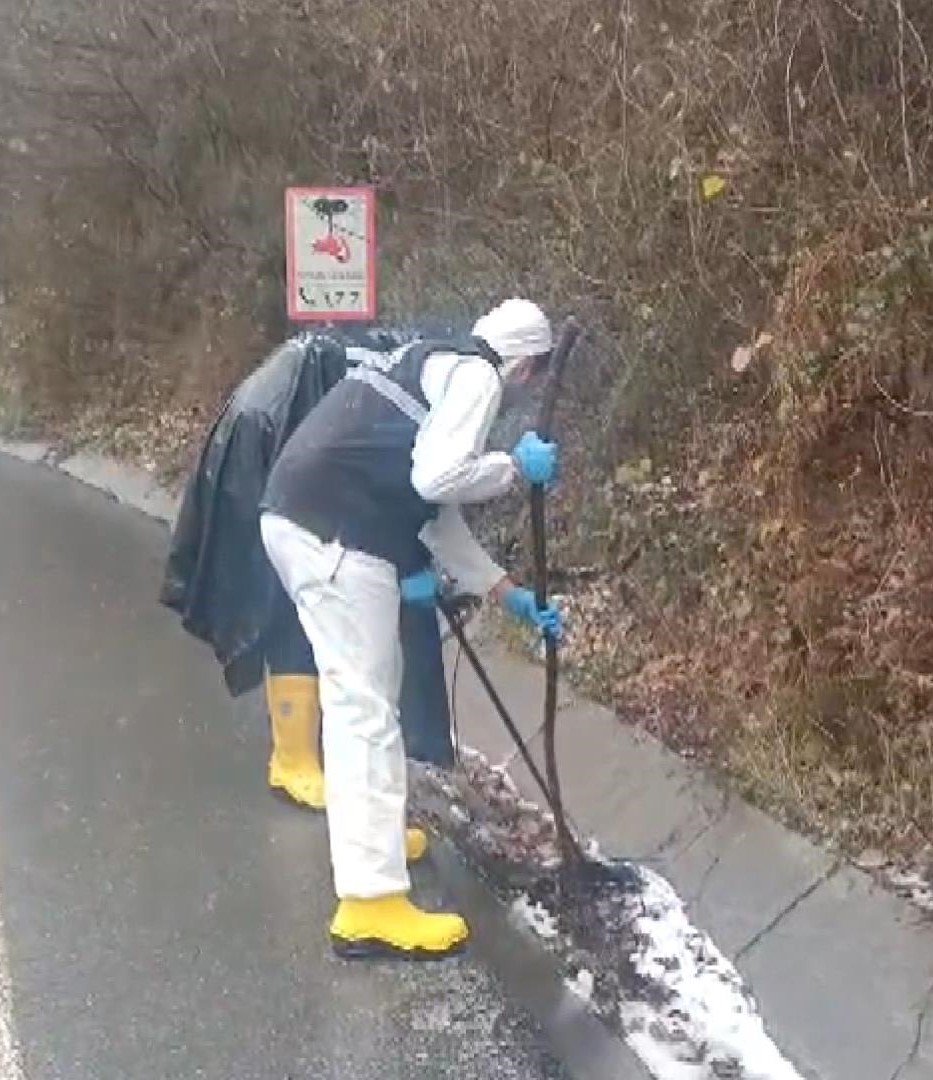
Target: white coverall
{"x":348,"y":603}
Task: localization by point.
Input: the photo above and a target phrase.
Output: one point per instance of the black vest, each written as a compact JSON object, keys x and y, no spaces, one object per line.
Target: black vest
{"x":345,"y":474}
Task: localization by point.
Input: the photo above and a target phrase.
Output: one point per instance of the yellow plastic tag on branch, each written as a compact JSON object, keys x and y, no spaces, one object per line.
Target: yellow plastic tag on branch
{"x":713,"y":186}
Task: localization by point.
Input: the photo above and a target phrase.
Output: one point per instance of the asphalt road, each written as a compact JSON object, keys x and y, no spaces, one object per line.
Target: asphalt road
{"x":164,"y":917}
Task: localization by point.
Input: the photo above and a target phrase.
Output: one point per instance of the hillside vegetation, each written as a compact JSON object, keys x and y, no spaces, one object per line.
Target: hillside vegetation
{"x":734,"y":196}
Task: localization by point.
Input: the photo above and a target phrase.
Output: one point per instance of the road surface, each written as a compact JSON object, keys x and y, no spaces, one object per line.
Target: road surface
{"x":162,"y":917}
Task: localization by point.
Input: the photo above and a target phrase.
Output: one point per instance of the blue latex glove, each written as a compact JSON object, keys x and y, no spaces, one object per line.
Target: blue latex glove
{"x":537,"y":459}
{"x":521,"y":604}
{"x":421,"y":589}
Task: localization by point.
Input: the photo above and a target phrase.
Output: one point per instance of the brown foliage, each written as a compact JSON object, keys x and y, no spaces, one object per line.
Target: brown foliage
{"x":787,"y":583}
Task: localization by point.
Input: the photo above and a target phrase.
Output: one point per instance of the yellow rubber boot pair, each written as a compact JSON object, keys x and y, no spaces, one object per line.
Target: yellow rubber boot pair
{"x":296,"y":766}
{"x":387,"y":925}
{"x":392,"y":927}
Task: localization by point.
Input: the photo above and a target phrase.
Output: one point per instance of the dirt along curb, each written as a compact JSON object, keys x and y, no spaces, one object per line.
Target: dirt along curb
{"x":841,"y":970}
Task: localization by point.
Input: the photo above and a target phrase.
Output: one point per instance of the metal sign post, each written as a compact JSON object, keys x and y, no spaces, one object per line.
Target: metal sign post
{"x":331,"y":253}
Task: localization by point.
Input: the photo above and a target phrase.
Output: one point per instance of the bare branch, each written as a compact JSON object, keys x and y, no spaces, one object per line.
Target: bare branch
{"x":908,"y":159}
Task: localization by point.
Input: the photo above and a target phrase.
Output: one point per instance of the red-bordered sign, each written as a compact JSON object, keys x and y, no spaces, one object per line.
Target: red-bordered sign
{"x":331,"y":253}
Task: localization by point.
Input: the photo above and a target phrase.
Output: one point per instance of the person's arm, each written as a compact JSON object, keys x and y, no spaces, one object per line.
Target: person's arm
{"x":457,"y":552}
{"x":460,"y":554}
{"x":449,"y":462}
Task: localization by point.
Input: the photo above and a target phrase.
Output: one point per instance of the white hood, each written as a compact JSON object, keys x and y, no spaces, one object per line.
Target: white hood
{"x":515,"y":328}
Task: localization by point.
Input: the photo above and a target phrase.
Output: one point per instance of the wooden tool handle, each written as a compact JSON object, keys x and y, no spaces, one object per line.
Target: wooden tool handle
{"x":563,"y":349}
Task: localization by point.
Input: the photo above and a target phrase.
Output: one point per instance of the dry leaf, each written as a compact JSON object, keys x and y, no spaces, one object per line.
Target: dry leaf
{"x":741,"y":358}
{"x":713,"y":186}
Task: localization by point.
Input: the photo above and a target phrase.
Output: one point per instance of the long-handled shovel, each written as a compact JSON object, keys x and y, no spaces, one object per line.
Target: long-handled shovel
{"x":574,"y":864}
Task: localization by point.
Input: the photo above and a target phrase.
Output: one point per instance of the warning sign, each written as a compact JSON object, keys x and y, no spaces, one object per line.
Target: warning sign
{"x":331,"y":251}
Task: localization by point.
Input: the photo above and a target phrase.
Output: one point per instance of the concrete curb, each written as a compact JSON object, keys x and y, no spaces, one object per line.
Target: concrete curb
{"x":127,"y":484}
{"x":842,"y":970}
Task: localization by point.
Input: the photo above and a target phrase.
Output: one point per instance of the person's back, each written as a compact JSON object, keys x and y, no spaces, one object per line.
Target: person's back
{"x":346,"y":471}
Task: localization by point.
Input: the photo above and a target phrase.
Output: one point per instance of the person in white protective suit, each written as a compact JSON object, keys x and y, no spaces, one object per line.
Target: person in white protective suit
{"x":367,"y":485}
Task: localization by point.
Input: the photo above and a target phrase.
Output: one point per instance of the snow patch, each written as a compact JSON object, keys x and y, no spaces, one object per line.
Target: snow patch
{"x":680,"y":1004}
{"x":912,"y":885}
{"x":708,"y":1016}
{"x":582,"y":985}
{"x":536,"y":916}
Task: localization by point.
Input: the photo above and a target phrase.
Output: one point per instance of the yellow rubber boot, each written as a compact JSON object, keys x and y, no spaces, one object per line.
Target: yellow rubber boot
{"x":295,"y":713}
{"x":391,"y":926}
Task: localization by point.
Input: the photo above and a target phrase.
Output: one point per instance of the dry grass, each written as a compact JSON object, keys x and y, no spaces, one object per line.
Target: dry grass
{"x":779,"y":623}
